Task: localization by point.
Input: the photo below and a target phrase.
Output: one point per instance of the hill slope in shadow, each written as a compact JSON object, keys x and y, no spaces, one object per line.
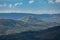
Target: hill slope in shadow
{"x":48,"y":34}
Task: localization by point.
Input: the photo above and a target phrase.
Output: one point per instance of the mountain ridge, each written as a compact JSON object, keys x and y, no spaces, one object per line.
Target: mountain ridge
{"x":16,"y":26}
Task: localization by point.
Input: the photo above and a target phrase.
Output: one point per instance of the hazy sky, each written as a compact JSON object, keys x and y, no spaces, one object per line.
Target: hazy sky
{"x":30,"y":6}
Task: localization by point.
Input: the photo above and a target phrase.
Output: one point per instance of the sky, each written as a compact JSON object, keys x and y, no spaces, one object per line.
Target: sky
{"x":30,"y":6}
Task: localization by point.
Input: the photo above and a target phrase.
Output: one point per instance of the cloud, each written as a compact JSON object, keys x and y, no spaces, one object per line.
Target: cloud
{"x":51,"y":1}
{"x":16,"y":4}
{"x":10,"y":5}
{"x":3,"y":5}
{"x":31,"y":11}
{"x":57,"y":0}
{"x":6,"y":5}
{"x":31,"y":1}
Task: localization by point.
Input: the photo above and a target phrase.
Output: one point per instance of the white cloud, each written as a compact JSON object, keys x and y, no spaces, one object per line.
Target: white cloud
{"x":10,"y":5}
{"x":57,"y":0}
{"x":31,"y":1}
{"x":51,"y":1}
{"x":30,"y":11}
{"x":16,"y":4}
{"x":6,"y":5}
{"x":3,"y":5}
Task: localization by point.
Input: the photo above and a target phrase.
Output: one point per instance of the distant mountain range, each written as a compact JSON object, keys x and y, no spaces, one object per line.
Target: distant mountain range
{"x":48,"y":34}
{"x":29,"y":22}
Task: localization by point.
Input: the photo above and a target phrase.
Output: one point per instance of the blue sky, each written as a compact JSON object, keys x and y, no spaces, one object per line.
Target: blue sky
{"x":30,"y":6}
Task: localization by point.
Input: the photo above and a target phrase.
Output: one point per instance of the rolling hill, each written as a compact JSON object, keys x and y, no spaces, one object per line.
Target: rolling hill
{"x":48,"y":34}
